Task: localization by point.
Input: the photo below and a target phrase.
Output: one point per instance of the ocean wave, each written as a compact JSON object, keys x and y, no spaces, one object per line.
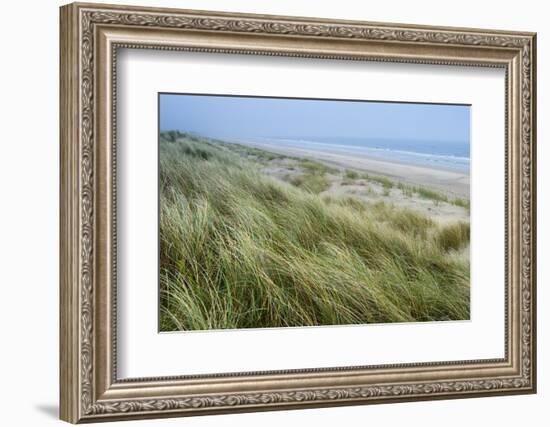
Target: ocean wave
{"x":447,"y":161}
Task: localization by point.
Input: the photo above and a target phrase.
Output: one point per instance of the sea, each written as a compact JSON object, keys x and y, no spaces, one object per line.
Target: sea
{"x":434,"y":154}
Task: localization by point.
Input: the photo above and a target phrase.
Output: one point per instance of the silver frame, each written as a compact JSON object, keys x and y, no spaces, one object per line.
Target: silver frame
{"x":90,"y":37}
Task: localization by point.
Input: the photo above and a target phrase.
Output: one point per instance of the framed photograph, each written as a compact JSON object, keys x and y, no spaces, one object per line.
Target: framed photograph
{"x":266,"y":212}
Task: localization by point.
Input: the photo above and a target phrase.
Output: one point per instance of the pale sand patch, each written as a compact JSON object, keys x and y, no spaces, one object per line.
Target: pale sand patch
{"x":441,"y":212}
{"x":371,"y":192}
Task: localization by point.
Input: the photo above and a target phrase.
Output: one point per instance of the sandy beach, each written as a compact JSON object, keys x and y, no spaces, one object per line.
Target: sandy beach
{"x":452,"y":182}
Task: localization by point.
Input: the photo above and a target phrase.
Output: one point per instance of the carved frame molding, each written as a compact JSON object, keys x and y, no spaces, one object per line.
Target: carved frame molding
{"x":89,"y":388}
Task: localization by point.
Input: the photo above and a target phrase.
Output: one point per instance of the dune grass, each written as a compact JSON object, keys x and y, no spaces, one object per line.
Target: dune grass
{"x":314,"y":179}
{"x":463,"y":203}
{"x":312,"y":182}
{"x":426,"y":193}
{"x":240,"y":249}
{"x":351,"y":174}
{"x":430,"y":194}
{"x":438,"y":197}
{"x":251,"y":152}
{"x":386,"y":183}
{"x":454,"y":236}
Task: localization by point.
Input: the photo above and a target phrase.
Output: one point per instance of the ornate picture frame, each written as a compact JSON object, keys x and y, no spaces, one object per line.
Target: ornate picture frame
{"x":90,"y":37}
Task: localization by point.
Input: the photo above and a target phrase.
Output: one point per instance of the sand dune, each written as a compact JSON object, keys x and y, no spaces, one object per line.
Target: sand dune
{"x":452,"y":182}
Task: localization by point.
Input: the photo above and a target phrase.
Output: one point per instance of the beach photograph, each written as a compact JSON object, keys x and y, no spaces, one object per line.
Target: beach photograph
{"x":296,"y":212}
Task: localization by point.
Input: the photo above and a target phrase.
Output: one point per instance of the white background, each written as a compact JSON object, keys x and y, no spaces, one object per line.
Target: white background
{"x":141,"y":347}
{"x":29,"y":171}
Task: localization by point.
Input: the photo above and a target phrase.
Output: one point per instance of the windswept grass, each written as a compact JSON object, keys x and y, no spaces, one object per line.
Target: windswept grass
{"x":463,"y":203}
{"x":313,"y":177}
{"x":351,"y":174}
{"x":250,"y":152}
{"x":455,"y":236}
{"x":242,"y":250}
{"x":315,"y":167}
{"x":386,"y":183}
{"x":440,"y":197}
{"x":405,"y":189}
{"x":426,"y":193}
{"x":436,"y":196}
{"x":405,"y":220}
{"x":312,"y":182}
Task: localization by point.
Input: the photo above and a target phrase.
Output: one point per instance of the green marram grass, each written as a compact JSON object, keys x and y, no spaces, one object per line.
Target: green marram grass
{"x":240,"y":249}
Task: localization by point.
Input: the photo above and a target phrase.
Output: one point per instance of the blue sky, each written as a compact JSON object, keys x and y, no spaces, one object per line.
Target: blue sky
{"x":237,"y":117}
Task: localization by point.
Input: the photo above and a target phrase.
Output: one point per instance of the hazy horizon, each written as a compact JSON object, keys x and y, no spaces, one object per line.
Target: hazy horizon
{"x":256,"y":117}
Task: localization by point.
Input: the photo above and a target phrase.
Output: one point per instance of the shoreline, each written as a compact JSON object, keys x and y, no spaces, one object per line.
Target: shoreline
{"x":451,"y":182}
